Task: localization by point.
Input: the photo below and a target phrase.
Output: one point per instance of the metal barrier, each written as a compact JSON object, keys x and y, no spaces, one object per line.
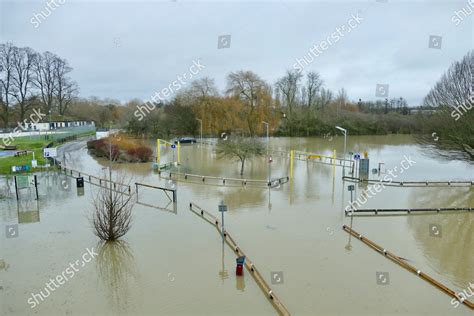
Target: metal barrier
{"x":165,"y":190}
{"x":407,"y":266}
{"x":367,"y":212}
{"x":454,"y":183}
{"x":222,"y":180}
{"x":120,"y":187}
{"x":276,"y":302}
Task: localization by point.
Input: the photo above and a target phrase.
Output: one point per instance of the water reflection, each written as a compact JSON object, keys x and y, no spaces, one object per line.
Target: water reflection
{"x":170,"y":207}
{"x":116,"y":269}
{"x":450,"y":253}
{"x":223,"y":273}
{"x":348,"y":247}
{"x":28,"y":211}
{"x":240,"y":283}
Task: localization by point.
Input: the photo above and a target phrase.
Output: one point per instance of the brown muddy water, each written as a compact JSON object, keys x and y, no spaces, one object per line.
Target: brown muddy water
{"x":173,"y":263}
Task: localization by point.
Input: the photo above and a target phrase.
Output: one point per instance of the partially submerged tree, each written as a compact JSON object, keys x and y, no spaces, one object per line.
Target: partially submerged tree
{"x":240,"y":148}
{"x":112,"y":206}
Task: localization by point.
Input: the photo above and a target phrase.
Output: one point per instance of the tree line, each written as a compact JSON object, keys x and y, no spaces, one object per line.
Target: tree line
{"x":296,"y":104}
{"x":31,"y":79}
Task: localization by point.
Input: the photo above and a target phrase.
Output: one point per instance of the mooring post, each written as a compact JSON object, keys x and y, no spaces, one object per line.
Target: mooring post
{"x":292,"y":156}
{"x":36,"y":187}
{"x":16,"y":189}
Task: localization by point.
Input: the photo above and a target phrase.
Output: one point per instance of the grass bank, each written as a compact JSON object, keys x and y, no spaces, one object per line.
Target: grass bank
{"x":35,"y":145}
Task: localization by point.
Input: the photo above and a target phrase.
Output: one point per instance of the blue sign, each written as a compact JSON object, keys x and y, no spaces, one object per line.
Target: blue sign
{"x":173,"y":146}
{"x":20,"y":168}
{"x":357,"y":156}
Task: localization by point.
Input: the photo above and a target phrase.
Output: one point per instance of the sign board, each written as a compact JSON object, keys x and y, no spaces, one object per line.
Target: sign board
{"x":173,"y":146}
{"x":24,"y":182}
{"x":364,"y":169}
{"x":351,"y":187}
{"x":20,"y":168}
{"x":222,"y":208}
{"x":357,"y":156}
{"x":50,"y":152}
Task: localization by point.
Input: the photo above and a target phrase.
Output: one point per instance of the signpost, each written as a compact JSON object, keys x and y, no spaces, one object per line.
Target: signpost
{"x":25,"y":182}
{"x":222,"y":209}
{"x":20,"y":168}
{"x":50,"y":152}
{"x":351,"y":188}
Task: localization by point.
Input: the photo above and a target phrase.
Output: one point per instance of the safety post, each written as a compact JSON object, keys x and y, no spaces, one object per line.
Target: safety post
{"x":158,"y":151}
{"x":334,"y":157}
{"x":292,"y":157}
{"x":179,"y":153}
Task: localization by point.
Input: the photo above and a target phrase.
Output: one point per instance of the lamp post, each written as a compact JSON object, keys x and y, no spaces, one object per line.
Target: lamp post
{"x":268,"y":154}
{"x":344,"y":131}
{"x":200,"y":121}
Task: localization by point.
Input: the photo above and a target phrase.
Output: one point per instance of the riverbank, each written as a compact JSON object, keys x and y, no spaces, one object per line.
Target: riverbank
{"x":33,"y":147}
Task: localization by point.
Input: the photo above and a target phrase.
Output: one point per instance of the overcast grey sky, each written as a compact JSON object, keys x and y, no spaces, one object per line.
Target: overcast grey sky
{"x":130,"y":49}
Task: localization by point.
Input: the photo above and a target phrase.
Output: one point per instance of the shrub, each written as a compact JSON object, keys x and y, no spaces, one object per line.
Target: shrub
{"x":123,"y":150}
{"x":143,"y":153}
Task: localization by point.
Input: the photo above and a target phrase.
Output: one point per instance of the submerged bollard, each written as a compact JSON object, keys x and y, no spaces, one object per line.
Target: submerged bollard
{"x":239,"y":270}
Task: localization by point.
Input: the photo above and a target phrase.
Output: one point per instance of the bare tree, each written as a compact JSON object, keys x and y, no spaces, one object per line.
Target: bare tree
{"x":288,"y":86}
{"x":64,"y":88}
{"x":313,"y":85}
{"x":251,"y":89}
{"x":325,"y":98}
{"x":23,"y":61}
{"x":6,"y":80}
{"x":453,"y":89}
{"x":112,"y":217}
{"x":44,"y":78}
{"x":203,"y":88}
{"x":454,"y":119}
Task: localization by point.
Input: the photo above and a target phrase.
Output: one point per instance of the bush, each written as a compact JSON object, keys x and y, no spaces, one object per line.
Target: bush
{"x":143,"y":153}
{"x":122,"y":150}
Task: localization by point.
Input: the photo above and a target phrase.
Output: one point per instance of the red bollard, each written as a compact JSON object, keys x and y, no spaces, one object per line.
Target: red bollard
{"x":239,"y":270}
{"x":240,"y":265}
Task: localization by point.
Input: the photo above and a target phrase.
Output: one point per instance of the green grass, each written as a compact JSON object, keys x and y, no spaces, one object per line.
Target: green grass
{"x":7,"y":162}
{"x":25,"y":143}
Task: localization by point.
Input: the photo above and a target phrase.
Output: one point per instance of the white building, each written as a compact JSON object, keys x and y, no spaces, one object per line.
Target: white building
{"x":46,"y":126}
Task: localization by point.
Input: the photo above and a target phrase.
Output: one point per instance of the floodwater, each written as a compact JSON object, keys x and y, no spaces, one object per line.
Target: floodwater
{"x":173,"y":263}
